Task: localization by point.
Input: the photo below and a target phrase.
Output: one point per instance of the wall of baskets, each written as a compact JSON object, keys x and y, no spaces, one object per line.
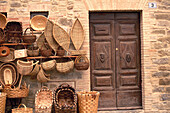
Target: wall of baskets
{"x":43,"y":54}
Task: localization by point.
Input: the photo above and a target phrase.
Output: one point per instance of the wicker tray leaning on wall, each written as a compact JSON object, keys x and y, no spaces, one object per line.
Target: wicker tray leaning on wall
{"x":43,"y":100}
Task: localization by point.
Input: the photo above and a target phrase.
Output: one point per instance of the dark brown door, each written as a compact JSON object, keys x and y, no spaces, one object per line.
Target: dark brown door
{"x":115,"y":59}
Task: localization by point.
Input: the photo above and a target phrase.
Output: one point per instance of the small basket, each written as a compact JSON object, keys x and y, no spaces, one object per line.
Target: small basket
{"x":60,"y":51}
{"x":33,"y":51}
{"x":29,"y":38}
{"x":22,"y":110}
{"x":24,"y":67}
{"x":43,"y":100}
{"x":47,"y":51}
{"x":48,"y":65}
{"x":65,"y":67}
{"x":81,"y":63}
{"x":65,"y":99}
{"x":88,"y":101}
{"x":16,"y":92}
{"x":42,"y":76}
{"x":2,"y":102}
{"x":35,"y":71}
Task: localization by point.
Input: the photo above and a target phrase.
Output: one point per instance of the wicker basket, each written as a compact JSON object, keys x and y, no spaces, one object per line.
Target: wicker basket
{"x":38,"y":22}
{"x":88,"y":101}
{"x":22,"y":110}
{"x":2,"y":36}
{"x":8,"y":58}
{"x":81,"y":63}
{"x":46,"y":50}
{"x":65,"y":99}
{"x":43,"y":100}
{"x":60,"y":51}
{"x":3,"y":21}
{"x":16,"y":92}
{"x":35,"y":71}
{"x":48,"y":65}
{"x":41,"y":76}
{"x":33,"y":51}
{"x":65,"y":67}
{"x":29,"y":38}
{"x":24,"y":67}
{"x":2,"y":102}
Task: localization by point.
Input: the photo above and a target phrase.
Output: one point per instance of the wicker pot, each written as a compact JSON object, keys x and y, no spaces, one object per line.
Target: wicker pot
{"x":65,"y":67}
{"x":2,"y":102}
{"x":81,"y":63}
{"x":46,"y":51}
{"x":35,"y":71}
{"x":41,"y":76}
{"x":43,"y":100}
{"x":48,"y":65}
{"x":29,"y":38}
{"x":33,"y":51}
{"x":88,"y":101}
{"x":22,"y":110}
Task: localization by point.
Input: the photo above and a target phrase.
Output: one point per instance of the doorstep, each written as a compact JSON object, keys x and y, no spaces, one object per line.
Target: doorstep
{"x":122,"y":111}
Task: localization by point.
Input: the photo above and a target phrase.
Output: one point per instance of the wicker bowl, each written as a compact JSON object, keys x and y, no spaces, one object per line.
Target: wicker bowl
{"x":33,"y":51}
{"x":3,"y":21}
{"x":38,"y":22}
{"x":81,"y":63}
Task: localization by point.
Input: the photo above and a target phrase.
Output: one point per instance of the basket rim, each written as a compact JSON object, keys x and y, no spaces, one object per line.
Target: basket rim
{"x":2,"y":15}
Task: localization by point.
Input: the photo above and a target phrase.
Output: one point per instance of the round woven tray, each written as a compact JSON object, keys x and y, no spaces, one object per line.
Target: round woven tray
{"x":3,"y":21}
{"x":38,"y":22}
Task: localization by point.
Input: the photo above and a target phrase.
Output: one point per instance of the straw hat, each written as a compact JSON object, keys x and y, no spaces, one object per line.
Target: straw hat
{"x":3,"y":21}
{"x":38,"y":22}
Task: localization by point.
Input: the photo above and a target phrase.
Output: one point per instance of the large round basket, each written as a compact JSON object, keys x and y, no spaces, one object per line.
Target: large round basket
{"x":43,"y":100}
{"x":38,"y":22}
{"x":2,"y":102}
{"x":3,"y":21}
{"x":81,"y":63}
{"x":22,"y":110}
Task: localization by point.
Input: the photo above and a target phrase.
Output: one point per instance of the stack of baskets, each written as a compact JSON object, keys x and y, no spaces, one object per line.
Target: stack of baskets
{"x":65,"y":99}
{"x":43,"y":100}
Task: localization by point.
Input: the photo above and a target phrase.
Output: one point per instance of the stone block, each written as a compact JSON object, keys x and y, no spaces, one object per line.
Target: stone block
{"x":65,"y":22}
{"x":165,"y":97}
{"x":158,"y":32}
{"x":15,"y":4}
{"x":161,"y":61}
{"x":162,"y":16}
{"x":165,"y":39}
{"x":3,"y":2}
{"x":161,"y":74}
{"x":165,"y":81}
{"x":160,"y":45}
{"x":163,"y":23}
{"x":166,"y":2}
{"x":158,"y":89}
{"x":168,"y":89}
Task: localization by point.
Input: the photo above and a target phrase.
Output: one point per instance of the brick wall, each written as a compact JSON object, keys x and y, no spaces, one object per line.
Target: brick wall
{"x":155,"y":43}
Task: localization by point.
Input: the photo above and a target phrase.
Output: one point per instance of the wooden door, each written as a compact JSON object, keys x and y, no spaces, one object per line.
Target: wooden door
{"x":115,"y":59}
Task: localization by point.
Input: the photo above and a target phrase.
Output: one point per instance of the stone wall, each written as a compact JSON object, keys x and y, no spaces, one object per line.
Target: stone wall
{"x":155,"y":43}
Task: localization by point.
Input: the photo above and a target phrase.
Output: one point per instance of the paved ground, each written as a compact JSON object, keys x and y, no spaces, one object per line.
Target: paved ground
{"x":122,"y":111}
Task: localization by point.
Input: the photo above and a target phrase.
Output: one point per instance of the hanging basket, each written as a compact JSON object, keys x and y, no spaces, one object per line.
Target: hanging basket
{"x":88,"y":101}
{"x":22,"y":110}
{"x":81,"y":63}
{"x":65,"y":99}
{"x":65,"y":67}
{"x":33,"y":51}
{"x":2,"y":102}
{"x":43,"y":100}
{"x":60,"y":51}
{"x":48,"y":65}
{"x":45,"y":50}
{"x":35,"y":71}
{"x":29,"y":38}
{"x":16,"y":92}
{"x":42,"y":76}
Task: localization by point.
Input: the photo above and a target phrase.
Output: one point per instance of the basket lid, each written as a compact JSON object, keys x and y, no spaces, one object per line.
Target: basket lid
{"x":38,"y":22}
{"x":3,"y":21}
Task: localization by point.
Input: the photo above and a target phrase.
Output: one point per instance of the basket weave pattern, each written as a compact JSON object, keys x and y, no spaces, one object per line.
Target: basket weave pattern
{"x":88,"y":101}
{"x":2,"y":102}
{"x":22,"y":110}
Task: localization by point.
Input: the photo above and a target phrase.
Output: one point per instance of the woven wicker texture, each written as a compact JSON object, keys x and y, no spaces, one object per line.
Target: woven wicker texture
{"x":38,"y":22}
{"x":3,"y":21}
{"x":40,"y":41}
{"x":61,"y":36}
{"x":24,"y":67}
{"x":65,"y":99}
{"x":35,"y":71}
{"x":77,"y":52}
{"x":41,"y":76}
{"x":48,"y":32}
{"x":88,"y":101}
{"x":43,"y":100}
{"x":2,"y":36}
{"x":33,"y":51}
{"x":7,"y":74}
{"x":16,"y":92}
{"x":81,"y":63}
{"x":2,"y":102}
{"x":48,"y":65}
{"x":8,"y":58}
{"x":65,"y":67}
{"x":77,"y":34}
{"x":22,"y":110}
{"x":29,"y":38}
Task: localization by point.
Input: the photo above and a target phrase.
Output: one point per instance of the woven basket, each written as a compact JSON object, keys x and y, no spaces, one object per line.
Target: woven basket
{"x":29,"y":38}
{"x":41,"y":76}
{"x":2,"y":102}
{"x":65,"y":99}
{"x":38,"y":22}
{"x":48,"y":32}
{"x":43,"y":100}
{"x":60,"y":51}
{"x":33,"y":51}
{"x":8,"y":58}
{"x":22,"y":110}
{"x":2,"y":36}
{"x":81,"y":63}
{"x":3,"y":21}
{"x":35,"y":71}
{"x":65,"y":67}
{"x":79,"y":52}
{"x":77,"y":34}
{"x":46,"y":51}
{"x":16,"y":92}
{"x":41,"y":40}
{"x":88,"y":101}
{"x":48,"y":65}
{"x":61,"y":36}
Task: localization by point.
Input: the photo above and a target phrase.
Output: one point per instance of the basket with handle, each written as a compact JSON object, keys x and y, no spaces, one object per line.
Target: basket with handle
{"x":65,"y":67}
{"x":22,"y":110}
{"x":45,"y":50}
{"x":33,"y":51}
{"x":81,"y":63}
{"x":43,"y":100}
{"x":48,"y":65}
{"x":88,"y":101}
{"x":29,"y":38}
{"x":2,"y":102}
